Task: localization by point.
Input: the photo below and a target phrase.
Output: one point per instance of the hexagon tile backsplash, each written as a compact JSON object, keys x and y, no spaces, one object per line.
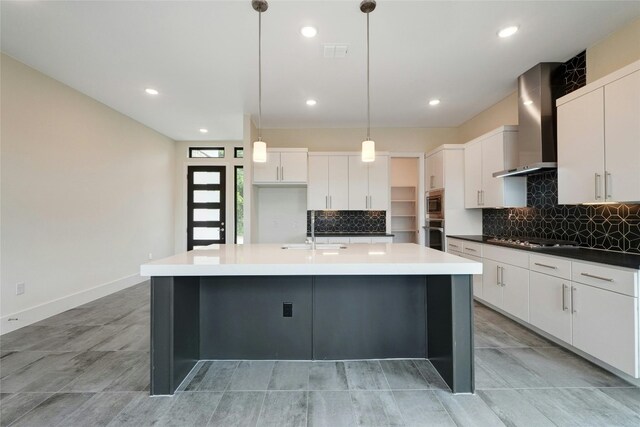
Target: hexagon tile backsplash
{"x":357,"y":222}
{"x":612,"y":227}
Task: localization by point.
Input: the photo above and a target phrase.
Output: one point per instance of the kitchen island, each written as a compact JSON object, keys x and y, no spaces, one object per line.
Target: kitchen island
{"x":357,"y":301}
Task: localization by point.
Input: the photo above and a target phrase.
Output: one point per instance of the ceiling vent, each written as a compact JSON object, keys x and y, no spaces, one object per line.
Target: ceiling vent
{"x":334,"y":51}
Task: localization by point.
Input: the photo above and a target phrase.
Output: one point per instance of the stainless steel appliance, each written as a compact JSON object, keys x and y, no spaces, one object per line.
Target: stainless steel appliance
{"x":434,"y":221}
{"x":434,"y":234}
{"x":530,"y":242}
{"x":435,"y":204}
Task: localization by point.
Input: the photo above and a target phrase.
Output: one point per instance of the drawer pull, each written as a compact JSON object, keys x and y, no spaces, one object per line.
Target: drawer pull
{"x":453,"y":246}
{"x":546,"y":266}
{"x":472,"y":250}
{"x":597,"y":277}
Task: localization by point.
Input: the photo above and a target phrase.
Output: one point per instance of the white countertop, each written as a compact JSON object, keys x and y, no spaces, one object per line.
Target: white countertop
{"x":272,"y":260}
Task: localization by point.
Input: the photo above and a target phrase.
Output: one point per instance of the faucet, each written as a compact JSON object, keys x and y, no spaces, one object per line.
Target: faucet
{"x":313,"y":229}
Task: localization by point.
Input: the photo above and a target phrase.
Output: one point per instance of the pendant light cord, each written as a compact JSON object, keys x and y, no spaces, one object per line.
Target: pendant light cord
{"x":368,"y":87}
{"x":260,"y":76}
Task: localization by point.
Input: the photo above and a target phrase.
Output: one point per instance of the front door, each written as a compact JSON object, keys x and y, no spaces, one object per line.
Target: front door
{"x":205,"y":206}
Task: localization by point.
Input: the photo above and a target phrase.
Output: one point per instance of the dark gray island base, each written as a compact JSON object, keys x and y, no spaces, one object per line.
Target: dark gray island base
{"x":332,"y":318}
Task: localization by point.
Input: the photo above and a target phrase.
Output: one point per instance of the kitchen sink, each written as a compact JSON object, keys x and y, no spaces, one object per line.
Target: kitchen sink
{"x":319,"y":246}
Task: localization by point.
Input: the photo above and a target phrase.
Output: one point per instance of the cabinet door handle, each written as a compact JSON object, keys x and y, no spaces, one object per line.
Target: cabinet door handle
{"x":326,"y":202}
{"x":330,"y":203}
{"x":597,"y":183}
{"x":482,"y":197}
{"x":546,"y":266}
{"x":502,"y":277}
{"x":478,"y":197}
{"x":597,"y":277}
{"x":573,"y":302}
{"x":431,"y":181}
{"x":564,"y":302}
{"x":281,"y":173}
{"x":498,"y":276}
{"x":607,"y":185}
{"x":277,"y":173}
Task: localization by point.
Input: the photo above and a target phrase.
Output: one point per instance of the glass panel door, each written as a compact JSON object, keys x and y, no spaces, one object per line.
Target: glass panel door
{"x":205,"y":206}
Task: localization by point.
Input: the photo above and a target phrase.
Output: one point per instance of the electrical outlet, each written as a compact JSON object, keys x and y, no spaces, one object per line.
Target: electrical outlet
{"x":20,"y":288}
{"x":287,"y":309}
{"x":150,"y":255}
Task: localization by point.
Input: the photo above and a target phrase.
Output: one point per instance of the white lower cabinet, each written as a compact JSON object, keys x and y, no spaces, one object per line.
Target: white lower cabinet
{"x":515,"y":291}
{"x":592,"y":307}
{"x":605,"y":326}
{"x":549,"y":300}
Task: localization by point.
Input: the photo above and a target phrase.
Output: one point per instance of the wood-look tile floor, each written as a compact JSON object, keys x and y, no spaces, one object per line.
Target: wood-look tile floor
{"x":90,"y":367}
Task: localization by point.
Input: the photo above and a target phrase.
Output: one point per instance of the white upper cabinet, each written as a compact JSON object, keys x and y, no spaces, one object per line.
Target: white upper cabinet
{"x":472,"y":174}
{"x":327,"y":187}
{"x":369,"y":184}
{"x":434,"y":172}
{"x":599,"y":140}
{"x":493,"y":152}
{"x":581,"y":149}
{"x":283,"y":166}
{"x":622,"y":138}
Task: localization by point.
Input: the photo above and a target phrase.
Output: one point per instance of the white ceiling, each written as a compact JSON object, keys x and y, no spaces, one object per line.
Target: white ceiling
{"x":202,"y":57}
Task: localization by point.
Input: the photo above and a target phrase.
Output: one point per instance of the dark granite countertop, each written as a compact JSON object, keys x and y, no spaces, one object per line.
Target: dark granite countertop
{"x":582,"y":254}
{"x":352,"y":235}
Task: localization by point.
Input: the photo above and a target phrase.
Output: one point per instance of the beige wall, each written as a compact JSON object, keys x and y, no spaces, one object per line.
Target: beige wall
{"x":87,"y":194}
{"x":619,"y":49}
{"x":350,"y":139}
{"x":502,"y":113}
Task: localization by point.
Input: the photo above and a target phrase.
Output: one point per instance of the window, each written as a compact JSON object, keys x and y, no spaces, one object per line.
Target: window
{"x":238,"y":153}
{"x":210,"y":152}
{"x":239,"y":204}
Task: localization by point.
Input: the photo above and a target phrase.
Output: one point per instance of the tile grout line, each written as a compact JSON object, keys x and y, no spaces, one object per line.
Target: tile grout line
{"x":393,"y":396}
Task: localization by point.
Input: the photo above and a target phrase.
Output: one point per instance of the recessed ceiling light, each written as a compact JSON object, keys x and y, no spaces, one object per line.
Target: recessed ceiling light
{"x":528,"y":102}
{"x":508,"y":31}
{"x":311,"y":102}
{"x":151,"y":91}
{"x":434,"y":102}
{"x":308,"y":32}
{"x":203,"y":130}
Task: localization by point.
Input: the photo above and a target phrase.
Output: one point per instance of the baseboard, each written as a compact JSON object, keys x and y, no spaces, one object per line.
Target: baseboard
{"x":40,"y":312}
{"x":628,"y":378}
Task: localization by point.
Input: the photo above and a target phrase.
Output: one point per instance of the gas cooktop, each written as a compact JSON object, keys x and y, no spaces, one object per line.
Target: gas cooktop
{"x":530,"y":242}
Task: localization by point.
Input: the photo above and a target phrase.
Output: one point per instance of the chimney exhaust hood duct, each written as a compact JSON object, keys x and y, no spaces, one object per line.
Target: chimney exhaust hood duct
{"x":538,"y":90}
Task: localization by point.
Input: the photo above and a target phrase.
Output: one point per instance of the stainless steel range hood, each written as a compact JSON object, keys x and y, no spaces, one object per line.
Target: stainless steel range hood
{"x":538,"y":89}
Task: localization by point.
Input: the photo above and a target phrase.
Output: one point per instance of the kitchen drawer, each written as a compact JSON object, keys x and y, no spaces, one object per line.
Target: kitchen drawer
{"x":550,"y":265}
{"x":320,"y":239}
{"x":382,"y":239}
{"x":454,"y":245}
{"x":340,"y":240}
{"x":473,"y":248}
{"x":622,"y":281}
{"x":515,"y":257}
{"x":359,"y":239}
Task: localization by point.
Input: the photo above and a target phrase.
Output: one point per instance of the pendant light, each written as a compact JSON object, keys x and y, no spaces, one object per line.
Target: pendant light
{"x":259,"y":146}
{"x":368,"y":146}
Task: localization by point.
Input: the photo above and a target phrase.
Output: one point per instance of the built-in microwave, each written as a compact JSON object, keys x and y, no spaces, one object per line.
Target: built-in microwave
{"x":435,"y":204}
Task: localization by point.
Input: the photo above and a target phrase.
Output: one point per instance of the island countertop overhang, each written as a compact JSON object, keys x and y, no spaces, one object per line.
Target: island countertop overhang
{"x":272,"y":260}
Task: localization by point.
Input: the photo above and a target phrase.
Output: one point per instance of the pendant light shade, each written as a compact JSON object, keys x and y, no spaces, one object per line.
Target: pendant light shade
{"x":259,"y":154}
{"x":368,"y":146}
{"x":368,"y":151}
